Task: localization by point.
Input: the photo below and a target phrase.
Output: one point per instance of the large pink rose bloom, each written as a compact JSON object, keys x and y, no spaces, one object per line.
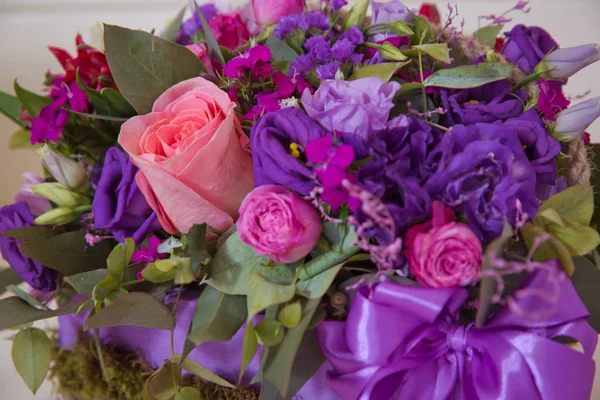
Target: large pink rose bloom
{"x":443,"y":253}
{"x":278,"y":224}
{"x":190,"y":152}
{"x":268,"y":12}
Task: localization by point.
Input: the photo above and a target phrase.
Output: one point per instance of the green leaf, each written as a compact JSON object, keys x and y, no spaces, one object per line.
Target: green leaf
{"x":15,"y":312}
{"x":488,"y":34}
{"x":316,"y":287}
{"x":172,"y":29}
{"x":23,"y":295}
{"x":280,"y":50}
{"x":160,"y":385}
{"x":217,"y":317}
{"x":438,"y":51}
{"x":469,"y":76}
{"x":579,"y":239}
{"x":422,"y":28}
{"x":385,"y":71}
{"x":400,"y":28}
{"x":187,"y":393}
{"x":118,"y":106}
{"x":196,"y":247}
{"x":281,"y":360}
{"x":119,"y":258}
{"x":31,"y":354}
{"x":137,"y":309}
{"x":357,"y":14}
{"x":94,"y":97}
{"x":32,"y":102}
{"x":193,"y":367}
{"x":235,"y":262}
{"x":155,"y":275}
{"x":85,"y":282}
{"x":8,"y":277}
{"x":183,"y":271}
{"x":249,"y":349}
{"x":21,"y":140}
{"x":388,"y":51}
{"x":10,"y":106}
{"x":31,"y":233}
{"x":575,"y":203}
{"x":145,"y":66}
{"x":586,"y":281}
{"x":263,"y":293}
{"x":68,"y":253}
{"x":488,"y":285}
{"x":211,"y":42}
{"x":548,"y":250}
{"x":270,"y":332}
{"x":290,"y":314}
{"x":97,"y":116}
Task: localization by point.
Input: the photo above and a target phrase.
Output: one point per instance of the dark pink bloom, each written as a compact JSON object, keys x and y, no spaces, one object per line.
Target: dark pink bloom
{"x":251,"y":61}
{"x":551,"y":100}
{"x":229,"y":30}
{"x":148,"y":255}
{"x":266,"y":102}
{"x":287,"y":85}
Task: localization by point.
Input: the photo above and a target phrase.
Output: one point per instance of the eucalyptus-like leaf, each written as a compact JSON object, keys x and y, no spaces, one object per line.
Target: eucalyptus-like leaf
{"x":137,"y":309}
{"x":10,"y":106}
{"x":263,"y":293}
{"x":193,"y":367}
{"x":280,"y":50}
{"x":162,"y":384}
{"x":187,"y":393}
{"x":385,"y":71}
{"x":438,"y":51}
{"x":196,"y":248}
{"x":357,"y":14}
{"x":68,"y":253}
{"x":31,"y":233}
{"x":290,"y":314}
{"x":249,"y":348}
{"x":575,"y":203}
{"x":217,"y":317}
{"x":21,"y":139}
{"x":211,"y":42}
{"x":270,"y":332}
{"x":144,"y":66}
{"x":94,"y":97}
{"x":423,"y":31}
{"x":23,"y":295}
{"x":31,"y":354}
{"x":32,"y":102}
{"x":488,"y":34}
{"x":171,"y":31}
{"x":15,"y":312}
{"x":469,"y":76}
{"x":156,"y":275}
{"x":85,"y":282}
{"x":118,"y":106}
{"x":316,"y":286}
{"x":8,"y":277}
{"x":549,"y":249}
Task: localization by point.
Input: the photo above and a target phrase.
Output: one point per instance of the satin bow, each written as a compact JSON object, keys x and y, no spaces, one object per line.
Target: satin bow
{"x":405,"y":342}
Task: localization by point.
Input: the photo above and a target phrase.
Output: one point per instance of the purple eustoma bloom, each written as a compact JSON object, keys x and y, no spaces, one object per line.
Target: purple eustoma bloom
{"x":527,"y":46}
{"x":389,"y":11}
{"x":119,"y":205}
{"x":16,"y":216}
{"x":193,"y":24}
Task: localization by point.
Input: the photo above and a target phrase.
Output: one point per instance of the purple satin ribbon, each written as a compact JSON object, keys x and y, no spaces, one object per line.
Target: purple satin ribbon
{"x":405,"y":342}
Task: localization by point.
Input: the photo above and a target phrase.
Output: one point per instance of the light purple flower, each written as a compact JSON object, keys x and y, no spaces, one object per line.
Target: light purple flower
{"x":37,"y":204}
{"x":357,"y":107}
{"x":561,"y":64}
{"x":573,"y":121}
{"x":327,"y":71}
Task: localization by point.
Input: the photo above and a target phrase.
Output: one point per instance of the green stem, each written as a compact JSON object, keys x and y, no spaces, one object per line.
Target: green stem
{"x":528,"y":79}
{"x":130,"y":283}
{"x":440,"y":127}
{"x":175,"y":315}
{"x":423,"y":90}
{"x":100,"y":356}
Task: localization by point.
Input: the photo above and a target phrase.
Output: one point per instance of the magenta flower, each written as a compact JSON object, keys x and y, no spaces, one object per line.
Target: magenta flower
{"x":229,"y":30}
{"x":253,"y":61}
{"x":287,"y":85}
{"x":148,"y":255}
{"x":551,"y":100}
{"x":332,"y":170}
{"x":266,"y":102}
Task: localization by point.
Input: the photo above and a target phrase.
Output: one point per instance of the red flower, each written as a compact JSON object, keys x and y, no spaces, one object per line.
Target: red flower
{"x":92,"y":65}
{"x":499,"y":44}
{"x":430,"y":11}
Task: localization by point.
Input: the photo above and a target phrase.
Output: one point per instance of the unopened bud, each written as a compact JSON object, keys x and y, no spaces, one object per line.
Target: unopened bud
{"x":57,"y":216}
{"x":573,"y":121}
{"x":68,"y":172}
{"x":59,"y":195}
{"x":561,"y":64}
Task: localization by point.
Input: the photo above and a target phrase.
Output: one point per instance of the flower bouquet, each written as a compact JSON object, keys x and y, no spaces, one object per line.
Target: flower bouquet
{"x":309,"y":201}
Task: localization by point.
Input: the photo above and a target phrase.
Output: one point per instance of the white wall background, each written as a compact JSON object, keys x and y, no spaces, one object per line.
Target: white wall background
{"x":28,"y":26}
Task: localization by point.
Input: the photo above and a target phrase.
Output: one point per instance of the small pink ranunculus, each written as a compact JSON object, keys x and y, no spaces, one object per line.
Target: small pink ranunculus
{"x":278,"y":224}
{"x":268,"y":12}
{"x":229,"y":30}
{"x":443,"y":253}
{"x":190,"y":152}
{"x":202,"y":53}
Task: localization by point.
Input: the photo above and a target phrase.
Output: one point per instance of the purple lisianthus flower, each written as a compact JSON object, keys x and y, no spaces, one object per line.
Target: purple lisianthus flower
{"x":119,"y":205}
{"x":544,"y":191}
{"x":16,"y":216}
{"x":526,"y":46}
{"x":541,"y":148}
{"x":482,"y":170}
{"x":388,"y":12}
{"x":397,"y":172}
{"x":193,"y":24}
{"x":271,"y":139}
{"x":338,"y":4}
{"x":356,"y":107}
{"x":488,"y":103}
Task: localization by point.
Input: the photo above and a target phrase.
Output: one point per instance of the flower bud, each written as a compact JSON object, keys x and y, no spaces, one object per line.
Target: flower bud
{"x":59,"y":195}
{"x":561,"y":64}
{"x":68,"y":172}
{"x":573,"y":121}
{"x":57,"y":216}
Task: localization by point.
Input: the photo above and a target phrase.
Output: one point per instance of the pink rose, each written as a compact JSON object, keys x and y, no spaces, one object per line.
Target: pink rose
{"x":268,"y":12}
{"x":443,"y":253}
{"x":229,"y":30}
{"x":190,"y":152}
{"x":278,"y":224}
{"x":201,"y":52}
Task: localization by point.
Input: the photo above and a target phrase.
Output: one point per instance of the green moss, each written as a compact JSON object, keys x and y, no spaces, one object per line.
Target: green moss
{"x":77,"y":375}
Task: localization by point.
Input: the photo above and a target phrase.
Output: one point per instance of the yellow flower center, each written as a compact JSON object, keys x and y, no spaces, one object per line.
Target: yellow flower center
{"x":294,"y":150}
{"x":472,"y":102}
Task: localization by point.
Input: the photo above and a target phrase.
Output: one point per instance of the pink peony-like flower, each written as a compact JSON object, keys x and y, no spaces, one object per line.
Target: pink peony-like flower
{"x":190,"y":152}
{"x":268,"y":12}
{"x":443,"y":253}
{"x":278,"y":224}
{"x":229,"y":30}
